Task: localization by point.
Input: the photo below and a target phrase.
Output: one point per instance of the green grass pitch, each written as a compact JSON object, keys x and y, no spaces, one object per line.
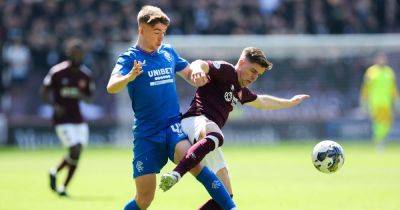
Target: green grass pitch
{"x":273,"y":177}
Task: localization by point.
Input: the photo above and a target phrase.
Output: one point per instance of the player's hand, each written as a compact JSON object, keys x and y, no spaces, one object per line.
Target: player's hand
{"x":199,"y":78}
{"x":297,"y":99}
{"x":135,"y":71}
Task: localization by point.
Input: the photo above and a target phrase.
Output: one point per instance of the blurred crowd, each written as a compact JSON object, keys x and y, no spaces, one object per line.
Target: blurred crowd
{"x":32,"y":33}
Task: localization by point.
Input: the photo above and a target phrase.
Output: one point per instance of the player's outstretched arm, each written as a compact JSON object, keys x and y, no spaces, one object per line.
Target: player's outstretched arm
{"x":268,"y":102}
{"x":118,"y":81}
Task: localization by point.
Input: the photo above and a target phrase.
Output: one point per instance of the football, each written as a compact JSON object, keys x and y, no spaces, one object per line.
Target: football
{"x":328,"y":156}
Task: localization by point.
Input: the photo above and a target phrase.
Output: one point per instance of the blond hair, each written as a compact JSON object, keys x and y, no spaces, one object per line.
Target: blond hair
{"x":152,"y":15}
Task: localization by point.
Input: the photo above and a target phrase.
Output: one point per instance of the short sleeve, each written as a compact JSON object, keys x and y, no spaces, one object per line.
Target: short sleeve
{"x":124,"y":65}
{"x":247,"y":96}
{"x":180,"y":63}
{"x":48,"y":79}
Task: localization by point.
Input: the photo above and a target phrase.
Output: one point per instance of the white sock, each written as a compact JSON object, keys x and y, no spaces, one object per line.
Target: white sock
{"x":61,"y":188}
{"x":176,"y":174}
{"x":53,"y":171}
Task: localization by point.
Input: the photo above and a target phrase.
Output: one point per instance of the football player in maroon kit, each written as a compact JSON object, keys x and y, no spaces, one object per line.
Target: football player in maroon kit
{"x":65,"y":85}
{"x":210,"y":108}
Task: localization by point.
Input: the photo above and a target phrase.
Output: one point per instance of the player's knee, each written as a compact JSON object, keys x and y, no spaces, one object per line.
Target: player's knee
{"x":223,"y":175}
{"x":74,"y":153}
{"x":144,"y":201}
{"x":71,"y":161}
{"x":218,"y":138}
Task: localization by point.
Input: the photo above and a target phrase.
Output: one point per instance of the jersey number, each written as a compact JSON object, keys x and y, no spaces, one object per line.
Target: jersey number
{"x":176,"y":128}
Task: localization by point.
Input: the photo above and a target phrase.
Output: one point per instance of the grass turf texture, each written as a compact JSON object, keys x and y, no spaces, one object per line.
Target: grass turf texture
{"x":274,"y":177}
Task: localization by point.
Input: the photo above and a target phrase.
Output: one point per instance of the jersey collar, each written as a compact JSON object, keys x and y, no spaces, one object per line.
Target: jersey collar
{"x":145,"y":52}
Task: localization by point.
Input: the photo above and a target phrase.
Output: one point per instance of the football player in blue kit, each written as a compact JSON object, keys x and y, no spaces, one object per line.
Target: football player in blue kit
{"x":148,"y":71}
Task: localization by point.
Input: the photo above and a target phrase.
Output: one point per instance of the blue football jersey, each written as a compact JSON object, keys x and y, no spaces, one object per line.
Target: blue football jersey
{"x":153,"y":93}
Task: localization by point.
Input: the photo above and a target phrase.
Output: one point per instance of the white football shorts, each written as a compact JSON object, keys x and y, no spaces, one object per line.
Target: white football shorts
{"x":72,"y":134}
{"x":193,"y":126}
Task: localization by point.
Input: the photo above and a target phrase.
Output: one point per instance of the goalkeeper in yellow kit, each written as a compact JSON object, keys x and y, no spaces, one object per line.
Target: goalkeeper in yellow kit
{"x":379,"y":94}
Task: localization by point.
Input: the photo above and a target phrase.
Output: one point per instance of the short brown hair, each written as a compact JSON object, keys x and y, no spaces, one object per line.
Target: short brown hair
{"x":256,"y":55}
{"x":152,"y":15}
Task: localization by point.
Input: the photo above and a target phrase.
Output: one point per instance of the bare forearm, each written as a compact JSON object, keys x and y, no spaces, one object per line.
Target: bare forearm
{"x":117,"y":83}
{"x":194,"y":74}
{"x":272,"y":103}
{"x":268,"y":102}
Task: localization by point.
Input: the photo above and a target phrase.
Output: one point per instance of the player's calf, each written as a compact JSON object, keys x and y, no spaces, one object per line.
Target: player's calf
{"x":75,"y":152}
{"x":72,"y":160}
{"x":144,"y":201}
{"x":198,"y":151}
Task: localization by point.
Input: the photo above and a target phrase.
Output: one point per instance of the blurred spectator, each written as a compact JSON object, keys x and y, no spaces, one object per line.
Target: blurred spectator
{"x":107,"y":19}
{"x":16,"y":56}
{"x":35,"y":31}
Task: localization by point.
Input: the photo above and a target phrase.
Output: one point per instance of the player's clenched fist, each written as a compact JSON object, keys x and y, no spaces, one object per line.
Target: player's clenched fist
{"x":135,"y":71}
{"x":199,"y":78}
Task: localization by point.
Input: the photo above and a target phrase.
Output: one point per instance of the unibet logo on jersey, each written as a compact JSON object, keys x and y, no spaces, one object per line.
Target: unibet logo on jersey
{"x":161,"y":76}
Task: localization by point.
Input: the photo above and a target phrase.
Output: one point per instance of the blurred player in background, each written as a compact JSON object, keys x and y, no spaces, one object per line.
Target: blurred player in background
{"x":378,"y":95}
{"x":210,"y":108}
{"x":66,"y":84}
{"x":148,"y":71}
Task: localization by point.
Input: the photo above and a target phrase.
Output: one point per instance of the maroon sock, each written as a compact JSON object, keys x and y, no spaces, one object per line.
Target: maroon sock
{"x":211,"y":205}
{"x":194,"y":155}
{"x":198,"y":151}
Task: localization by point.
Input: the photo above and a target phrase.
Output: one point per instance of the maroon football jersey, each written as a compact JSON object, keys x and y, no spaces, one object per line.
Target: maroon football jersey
{"x":64,"y":83}
{"x":216,"y":99}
